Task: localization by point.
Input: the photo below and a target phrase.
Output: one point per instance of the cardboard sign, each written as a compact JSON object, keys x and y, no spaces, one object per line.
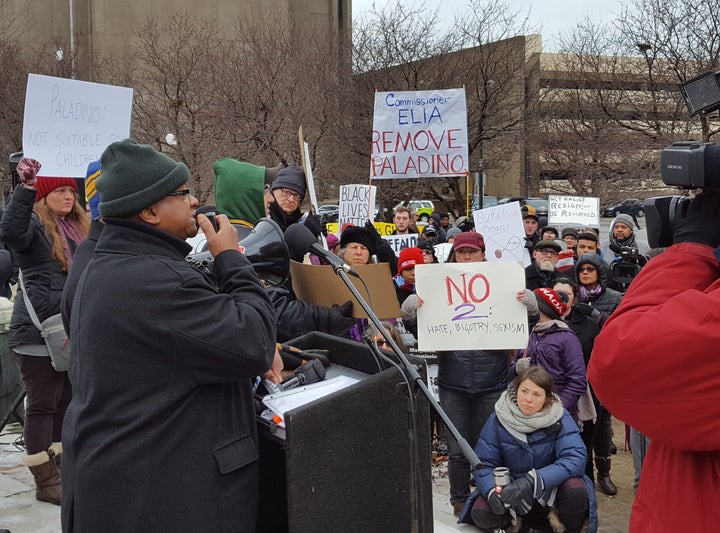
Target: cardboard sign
{"x":574,"y":211}
{"x":471,"y":306}
{"x":319,"y":285}
{"x":69,"y":123}
{"x":419,"y":134}
{"x":307,"y":169}
{"x":357,"y":203}
{"x":502,"y":229}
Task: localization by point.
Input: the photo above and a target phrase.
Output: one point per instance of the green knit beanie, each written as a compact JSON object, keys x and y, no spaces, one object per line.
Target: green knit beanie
{"x":240,"y":190}
{"x":135,"y":176}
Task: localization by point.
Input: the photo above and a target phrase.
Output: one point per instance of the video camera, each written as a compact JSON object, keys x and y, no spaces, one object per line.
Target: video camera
{"x":627,"y":265}
{"x":688,"y":165}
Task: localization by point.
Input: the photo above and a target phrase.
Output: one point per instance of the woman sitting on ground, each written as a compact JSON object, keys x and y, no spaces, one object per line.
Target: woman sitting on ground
{"x":538,"y":441}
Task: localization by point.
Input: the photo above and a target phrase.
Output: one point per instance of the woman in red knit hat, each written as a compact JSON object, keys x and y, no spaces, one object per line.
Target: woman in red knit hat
{"x":42,"y":226}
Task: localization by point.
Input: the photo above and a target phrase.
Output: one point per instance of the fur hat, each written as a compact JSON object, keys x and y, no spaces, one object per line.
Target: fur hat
{"x":625,"y":219}
{"x":550,"y":303}
{"x":469,"y":239}
{"x":45,"y":185}
{"x":92,"y":197}
{"x":409,"y":257}
{"x":359,"y":235}
{"x":135,"y":176}
{"x":292,"y":178}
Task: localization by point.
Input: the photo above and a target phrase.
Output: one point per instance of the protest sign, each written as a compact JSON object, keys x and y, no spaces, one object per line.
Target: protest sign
{"x":383,"y":228}
{"x":419,"y":134}
{"x":307,"y":169}
{"x":400,"y":242}
{"x":574,"y":211}
{"x":357,"y":202}
{"x":471,"y":306}
{"x":502,"y":229}
{"x":319,"y":285}
{"x":68,"y":123}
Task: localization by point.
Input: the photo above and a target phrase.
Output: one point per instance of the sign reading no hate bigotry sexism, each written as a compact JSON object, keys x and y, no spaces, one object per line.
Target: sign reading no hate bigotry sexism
{"x":419,"y":134}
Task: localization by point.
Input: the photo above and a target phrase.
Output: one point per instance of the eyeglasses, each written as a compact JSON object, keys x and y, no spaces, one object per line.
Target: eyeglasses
{"x":287,"y":194}
{"x":181,"y":192}
{"x":587,"y":269}
{"x":546,"y":251}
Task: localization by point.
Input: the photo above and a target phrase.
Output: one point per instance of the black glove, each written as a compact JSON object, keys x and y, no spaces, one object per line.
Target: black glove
{"x":699,"y":221}
{"x":312,"y":222}
{"x":370,"y":227}
{"x":344,"y":309}
{"x":496,"y":504}
{"x":517,"y":491}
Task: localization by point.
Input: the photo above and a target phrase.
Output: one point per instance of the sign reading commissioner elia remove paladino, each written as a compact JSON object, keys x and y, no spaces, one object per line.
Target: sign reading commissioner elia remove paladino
{"x":419,"y":134}
{"x":574,"y":211}
{"x":68,"y":123}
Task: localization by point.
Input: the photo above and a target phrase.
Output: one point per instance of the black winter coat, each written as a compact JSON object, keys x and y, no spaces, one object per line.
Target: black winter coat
{"x":24,"y":235}
{"x":473,"y":371}
{"x":160,"y":434}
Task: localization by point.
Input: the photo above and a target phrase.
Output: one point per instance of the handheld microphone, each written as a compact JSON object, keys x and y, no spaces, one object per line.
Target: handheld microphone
{"x":299,"y":240}
{"x":311,"y":372}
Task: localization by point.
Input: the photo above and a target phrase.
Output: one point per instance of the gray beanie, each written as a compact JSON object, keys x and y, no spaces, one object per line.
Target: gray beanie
{"x":292,"y":178}
{"x":625,"y":219}
{"x":451,"y":232}
{"x":135,"y":176}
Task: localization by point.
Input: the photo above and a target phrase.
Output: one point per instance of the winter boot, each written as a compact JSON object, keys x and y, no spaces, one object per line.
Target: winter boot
{"x":55,"y":452}
{"x":47,"y":477}
{"x":603,"y":476}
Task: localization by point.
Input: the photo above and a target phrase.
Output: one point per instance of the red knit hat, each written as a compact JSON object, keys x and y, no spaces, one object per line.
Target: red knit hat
{"x":47,"y":185}
{"x":409,"y":257}
{"x":550,"y":303}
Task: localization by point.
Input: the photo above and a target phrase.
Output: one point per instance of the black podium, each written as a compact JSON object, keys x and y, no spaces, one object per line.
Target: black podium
{"x":345,"y":461}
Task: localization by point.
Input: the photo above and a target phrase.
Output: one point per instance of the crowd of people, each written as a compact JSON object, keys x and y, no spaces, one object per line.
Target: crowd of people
{"x":158,"y":397}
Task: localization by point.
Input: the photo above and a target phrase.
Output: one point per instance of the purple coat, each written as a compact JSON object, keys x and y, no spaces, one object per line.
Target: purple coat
{"x":559,"y":352}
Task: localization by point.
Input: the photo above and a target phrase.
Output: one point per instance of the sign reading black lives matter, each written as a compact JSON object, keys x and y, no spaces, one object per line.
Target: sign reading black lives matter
{"x":471,"y":306}
{"x":574,"y":211}
{"x":357,"y":202}
{"x":419,"y":134}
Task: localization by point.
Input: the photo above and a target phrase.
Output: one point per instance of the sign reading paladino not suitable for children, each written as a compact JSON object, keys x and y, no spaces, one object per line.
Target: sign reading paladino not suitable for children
{"x":471,"y":306}
{"x":419,"y":134}
{"x":68,"y":123}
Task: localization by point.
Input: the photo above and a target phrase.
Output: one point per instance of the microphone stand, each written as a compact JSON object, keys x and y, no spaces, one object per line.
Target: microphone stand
{"x":413,"y":376}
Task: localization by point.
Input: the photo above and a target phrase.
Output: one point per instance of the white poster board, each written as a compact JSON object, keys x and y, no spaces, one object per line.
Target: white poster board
{"x":357,"y":204}
{"x":400,"y":242}
{"x":471,"y":306}
{"x":574,"y":211}
{"x":68,"y":123}
{"x":502,"y":229}
{"x":419,"y":134}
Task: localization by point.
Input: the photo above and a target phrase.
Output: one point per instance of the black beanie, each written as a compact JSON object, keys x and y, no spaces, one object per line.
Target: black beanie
{"x":359,"y":235}
{"x":292,"y":178}
{"x":135,"y":176}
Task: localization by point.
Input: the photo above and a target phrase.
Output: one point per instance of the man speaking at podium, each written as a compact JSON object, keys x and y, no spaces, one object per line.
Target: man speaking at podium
{"x":160,"y":434}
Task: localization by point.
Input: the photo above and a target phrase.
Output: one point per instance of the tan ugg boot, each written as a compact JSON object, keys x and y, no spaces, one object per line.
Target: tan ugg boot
{"x":55,"y":452}
{"x":47,"y":477}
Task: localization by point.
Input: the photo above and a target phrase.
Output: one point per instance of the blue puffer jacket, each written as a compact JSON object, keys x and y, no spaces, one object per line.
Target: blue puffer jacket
{"x":473,"y":371}
{"x":557,"y":453}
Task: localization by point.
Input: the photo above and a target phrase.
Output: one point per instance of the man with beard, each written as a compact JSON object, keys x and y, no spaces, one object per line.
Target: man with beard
{"x":622,"y":236}
{"x":542,"y":271}
{"x":402,"y":221}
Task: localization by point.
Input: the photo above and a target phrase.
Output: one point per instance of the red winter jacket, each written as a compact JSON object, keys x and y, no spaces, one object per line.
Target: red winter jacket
{"x":656,"y":365}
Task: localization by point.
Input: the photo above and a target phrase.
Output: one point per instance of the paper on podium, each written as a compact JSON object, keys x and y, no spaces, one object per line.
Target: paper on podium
{"x":282,"y":402}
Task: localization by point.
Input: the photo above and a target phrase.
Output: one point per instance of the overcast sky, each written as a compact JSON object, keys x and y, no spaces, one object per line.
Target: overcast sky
{"x":554,"y":16}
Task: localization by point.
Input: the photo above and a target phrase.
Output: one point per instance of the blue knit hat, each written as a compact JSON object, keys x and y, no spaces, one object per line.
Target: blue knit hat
{"x":135,"y":176}
{"x":92,"y":197}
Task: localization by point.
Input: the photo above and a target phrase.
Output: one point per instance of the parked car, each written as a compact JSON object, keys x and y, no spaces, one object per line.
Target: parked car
{"x":329,"y":213}
{"x":541,"y":206}
{"x":629,"y":206}
{"x":423,"y":208}
{"x":488,"y":201}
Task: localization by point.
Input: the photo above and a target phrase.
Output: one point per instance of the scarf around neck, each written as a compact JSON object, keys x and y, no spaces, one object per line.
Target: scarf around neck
{"x":587,"y":296}
{"x":71,"y":235}
{"x":542,"y":327}
{"x":515,"y":421}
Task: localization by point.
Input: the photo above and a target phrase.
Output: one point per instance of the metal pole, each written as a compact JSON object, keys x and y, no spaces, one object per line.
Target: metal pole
{"x":72,"y":40}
